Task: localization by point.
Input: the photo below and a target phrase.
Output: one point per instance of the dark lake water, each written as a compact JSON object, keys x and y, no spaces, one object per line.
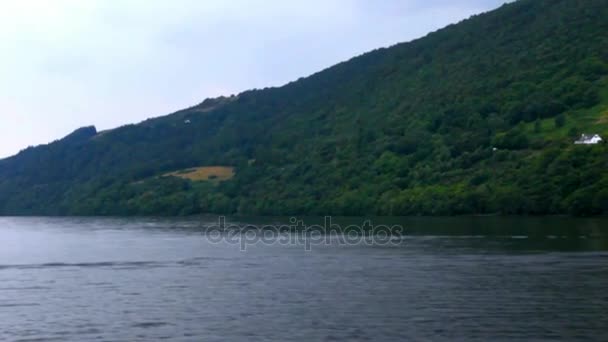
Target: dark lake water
{"x":484,"y":279}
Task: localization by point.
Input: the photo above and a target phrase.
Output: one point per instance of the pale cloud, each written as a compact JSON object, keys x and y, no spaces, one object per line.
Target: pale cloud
{"x":70,"y":63}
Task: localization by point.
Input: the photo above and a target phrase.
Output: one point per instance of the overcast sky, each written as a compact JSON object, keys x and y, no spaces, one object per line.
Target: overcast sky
{"x":70,"y":63}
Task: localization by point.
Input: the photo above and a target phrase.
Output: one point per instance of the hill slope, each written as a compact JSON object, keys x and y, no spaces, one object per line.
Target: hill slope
{"x":478,"y":117}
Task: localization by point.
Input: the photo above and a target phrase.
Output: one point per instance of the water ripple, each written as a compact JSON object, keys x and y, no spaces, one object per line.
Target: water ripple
{"x":113,"y":264}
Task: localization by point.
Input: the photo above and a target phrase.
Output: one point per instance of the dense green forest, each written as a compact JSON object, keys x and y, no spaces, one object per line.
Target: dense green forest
{"x":477,"y":118}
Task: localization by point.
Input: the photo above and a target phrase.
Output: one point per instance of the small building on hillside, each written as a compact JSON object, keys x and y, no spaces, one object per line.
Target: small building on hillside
{"x":589,"y":139}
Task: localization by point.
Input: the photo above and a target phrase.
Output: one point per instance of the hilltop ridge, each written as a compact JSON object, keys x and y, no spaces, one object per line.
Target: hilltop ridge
{"x":476,"y":118}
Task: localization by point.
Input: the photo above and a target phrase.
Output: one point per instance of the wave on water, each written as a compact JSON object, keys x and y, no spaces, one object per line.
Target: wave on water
{"x":198,"y":261}
{"x":112,"y":264}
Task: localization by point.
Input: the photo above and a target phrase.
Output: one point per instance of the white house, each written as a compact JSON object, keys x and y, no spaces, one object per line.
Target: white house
{"x":588,"y":139}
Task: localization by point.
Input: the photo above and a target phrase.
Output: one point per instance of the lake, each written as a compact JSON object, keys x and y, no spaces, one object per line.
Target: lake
{"x":484,"y":278}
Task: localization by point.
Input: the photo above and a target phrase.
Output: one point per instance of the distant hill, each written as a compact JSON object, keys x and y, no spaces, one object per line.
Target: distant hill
{"x":477,"y":118}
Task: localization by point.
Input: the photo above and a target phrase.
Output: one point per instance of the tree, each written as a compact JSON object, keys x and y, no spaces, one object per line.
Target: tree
{"x":560,"y":121}
{"x":537,"y":126}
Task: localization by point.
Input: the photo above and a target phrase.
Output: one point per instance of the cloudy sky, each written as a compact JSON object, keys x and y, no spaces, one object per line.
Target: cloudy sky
{"x":70,"y":63}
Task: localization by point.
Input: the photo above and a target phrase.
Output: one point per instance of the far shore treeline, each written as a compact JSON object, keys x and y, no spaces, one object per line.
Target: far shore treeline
{"x":477,"y":118}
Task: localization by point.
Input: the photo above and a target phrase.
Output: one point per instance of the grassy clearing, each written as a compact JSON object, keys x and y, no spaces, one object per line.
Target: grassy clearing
{"x":204,"y":173}
{"x":603,"y":119}
{"x":589,"y":121}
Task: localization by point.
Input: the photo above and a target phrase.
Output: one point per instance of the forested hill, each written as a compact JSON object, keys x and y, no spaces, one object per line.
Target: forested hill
{"x":476,"y":118}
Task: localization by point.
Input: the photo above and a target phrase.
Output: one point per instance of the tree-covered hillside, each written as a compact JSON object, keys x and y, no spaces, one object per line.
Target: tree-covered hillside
{"x":477,"y":118}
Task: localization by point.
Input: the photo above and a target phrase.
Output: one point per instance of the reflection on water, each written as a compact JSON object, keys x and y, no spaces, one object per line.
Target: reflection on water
{"x":487,"y":278}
